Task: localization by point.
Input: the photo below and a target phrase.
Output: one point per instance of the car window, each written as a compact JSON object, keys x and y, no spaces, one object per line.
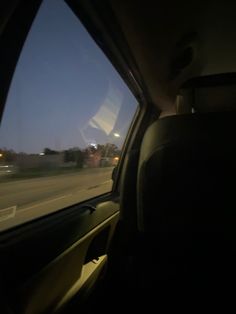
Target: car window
{"x":65,"y":120}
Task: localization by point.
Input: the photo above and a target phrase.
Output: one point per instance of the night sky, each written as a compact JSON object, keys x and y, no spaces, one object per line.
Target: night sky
{"x":64,"y":93}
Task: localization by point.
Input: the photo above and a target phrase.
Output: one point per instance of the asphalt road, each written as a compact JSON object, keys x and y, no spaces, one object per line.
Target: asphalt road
{"x":43,"y":195}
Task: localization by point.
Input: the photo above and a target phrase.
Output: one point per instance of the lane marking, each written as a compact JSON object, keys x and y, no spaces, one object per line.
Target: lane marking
{"x":61,"y":197}
{"x":93,"y":187}
{"x":97,"y":185}
{"x":7,"y":213}
{"x":46,"y":202}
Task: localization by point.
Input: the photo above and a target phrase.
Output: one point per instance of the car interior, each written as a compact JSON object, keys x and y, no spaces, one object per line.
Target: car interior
{"x":165,"y":236}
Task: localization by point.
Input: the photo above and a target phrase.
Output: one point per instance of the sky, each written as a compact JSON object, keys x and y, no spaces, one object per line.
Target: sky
{"x":64,"y":92}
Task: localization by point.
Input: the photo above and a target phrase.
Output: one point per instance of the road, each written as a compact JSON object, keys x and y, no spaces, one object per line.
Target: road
{"x":43,"y":195}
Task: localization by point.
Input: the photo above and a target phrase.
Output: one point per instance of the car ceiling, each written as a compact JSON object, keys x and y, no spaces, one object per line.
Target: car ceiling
{"x":158,"y":32}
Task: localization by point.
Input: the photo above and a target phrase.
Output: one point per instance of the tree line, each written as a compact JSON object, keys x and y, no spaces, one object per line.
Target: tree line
{"x":75,"y":154}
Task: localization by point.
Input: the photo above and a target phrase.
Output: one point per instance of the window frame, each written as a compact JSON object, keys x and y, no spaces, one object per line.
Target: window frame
{"x":19,"y":13}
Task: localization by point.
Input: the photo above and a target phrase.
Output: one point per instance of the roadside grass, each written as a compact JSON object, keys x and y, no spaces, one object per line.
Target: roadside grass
{"x":37,"y":173}
{"x":43,"y":172}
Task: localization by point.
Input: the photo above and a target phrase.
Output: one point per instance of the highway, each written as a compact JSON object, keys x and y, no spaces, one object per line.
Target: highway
{"x":39,"y":196}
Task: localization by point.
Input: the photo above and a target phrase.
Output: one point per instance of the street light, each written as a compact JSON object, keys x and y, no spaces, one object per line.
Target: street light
{"x":116,"y":134}
{"x":1,"y":154}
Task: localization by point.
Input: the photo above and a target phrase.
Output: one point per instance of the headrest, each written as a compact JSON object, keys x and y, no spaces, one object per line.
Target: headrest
{"x":185,"y":159}
{"x":210,"y":93}
{"x":212,"y":127}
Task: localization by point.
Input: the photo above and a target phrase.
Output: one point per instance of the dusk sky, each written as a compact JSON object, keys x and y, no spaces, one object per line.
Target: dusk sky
{"x":64,"y":93}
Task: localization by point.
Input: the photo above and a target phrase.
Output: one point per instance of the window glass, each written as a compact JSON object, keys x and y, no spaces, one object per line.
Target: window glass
{"x":65,"y":120}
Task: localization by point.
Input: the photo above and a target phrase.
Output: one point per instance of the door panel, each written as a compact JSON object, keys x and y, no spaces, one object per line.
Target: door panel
{"x":40,"y":275}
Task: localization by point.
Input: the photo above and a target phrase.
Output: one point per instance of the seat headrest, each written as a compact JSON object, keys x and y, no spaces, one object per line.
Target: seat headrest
{"x":210,"y":93}
{"x":188,"y":128}
{"x":185,"y":159}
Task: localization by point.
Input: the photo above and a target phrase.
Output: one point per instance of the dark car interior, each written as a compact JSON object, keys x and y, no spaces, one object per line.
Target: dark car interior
{"x":165,"y":236}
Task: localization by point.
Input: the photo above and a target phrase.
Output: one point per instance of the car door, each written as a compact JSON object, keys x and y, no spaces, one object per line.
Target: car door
{"x":67,"y":122}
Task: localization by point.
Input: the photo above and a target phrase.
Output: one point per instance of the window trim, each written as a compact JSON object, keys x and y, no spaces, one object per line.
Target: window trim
{"x":23,"y":14}
{"x":18,"y":47}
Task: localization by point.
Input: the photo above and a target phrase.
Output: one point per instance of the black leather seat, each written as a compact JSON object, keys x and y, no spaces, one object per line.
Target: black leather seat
{"x":187,"y":197}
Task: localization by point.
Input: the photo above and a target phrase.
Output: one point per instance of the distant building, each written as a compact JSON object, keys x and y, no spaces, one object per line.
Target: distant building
{"x":24,"y":161}
{"x":109,"y":161}
{"x":93,"y":160}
